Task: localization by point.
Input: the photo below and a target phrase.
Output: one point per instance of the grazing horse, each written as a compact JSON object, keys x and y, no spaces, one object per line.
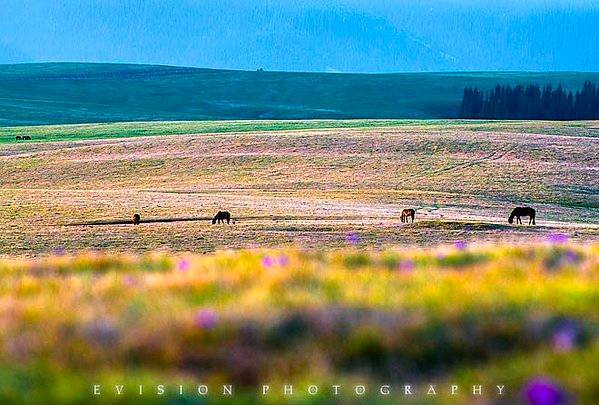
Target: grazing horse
{"x":136,"y":219}
{"x":18,"y":138}
{"x":221,"y":216}
{"x":26,"y":138}
{"x":407,"y":213}
{"x":523,"y":212}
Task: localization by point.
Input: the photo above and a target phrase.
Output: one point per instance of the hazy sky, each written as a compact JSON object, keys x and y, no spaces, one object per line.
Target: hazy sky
{"x":327,"y":35}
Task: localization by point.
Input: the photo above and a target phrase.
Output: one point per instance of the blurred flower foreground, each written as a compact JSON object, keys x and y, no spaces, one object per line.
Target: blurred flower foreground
{"x":525,"y":317}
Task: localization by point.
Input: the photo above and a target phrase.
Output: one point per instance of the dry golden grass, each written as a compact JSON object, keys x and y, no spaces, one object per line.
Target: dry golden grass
{"x":320,"y":184}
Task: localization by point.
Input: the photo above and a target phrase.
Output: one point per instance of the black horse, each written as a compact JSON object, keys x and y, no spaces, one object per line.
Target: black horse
{"x":407,"y":214}
{"x":136,"y":219}
{"x":221,"y":216}
{"x":522,"y":212}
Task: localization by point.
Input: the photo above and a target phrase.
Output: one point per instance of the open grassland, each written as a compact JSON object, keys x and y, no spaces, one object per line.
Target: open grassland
{"x":312,"y":188}
{"x":53,"y":133}
{"x":455,"y":315}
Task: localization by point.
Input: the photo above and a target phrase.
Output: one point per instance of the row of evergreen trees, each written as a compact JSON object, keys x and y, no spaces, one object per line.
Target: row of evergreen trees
{"x":532,"y":102}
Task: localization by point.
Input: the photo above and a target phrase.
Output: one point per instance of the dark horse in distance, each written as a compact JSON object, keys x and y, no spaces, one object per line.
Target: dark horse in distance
{"x":522,"y":212}
{"x":136,"y":219}
{"x":221,"y":216}
{"x":407,"y":213}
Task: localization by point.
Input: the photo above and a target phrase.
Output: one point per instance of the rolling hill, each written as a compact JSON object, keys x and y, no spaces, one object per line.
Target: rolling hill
{"x":57,"y":93}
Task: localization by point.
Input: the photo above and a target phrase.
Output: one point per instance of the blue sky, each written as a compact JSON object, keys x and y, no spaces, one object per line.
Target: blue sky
{"x":334,"y":35}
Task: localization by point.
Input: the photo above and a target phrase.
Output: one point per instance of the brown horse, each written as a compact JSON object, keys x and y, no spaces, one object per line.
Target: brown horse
{"x":523,"y":212}
{"x":407,"y":213}
{"x":221,"y":216}
{"x":136,"y":219}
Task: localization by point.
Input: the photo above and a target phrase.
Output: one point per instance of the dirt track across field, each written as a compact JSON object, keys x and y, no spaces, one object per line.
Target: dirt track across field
{"x":310,"y":188}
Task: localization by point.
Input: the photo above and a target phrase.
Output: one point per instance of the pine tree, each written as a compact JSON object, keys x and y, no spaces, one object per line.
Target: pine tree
{"x":530,"y":102}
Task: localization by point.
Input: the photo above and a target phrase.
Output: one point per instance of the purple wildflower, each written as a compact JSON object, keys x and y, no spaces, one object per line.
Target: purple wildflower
{"x":557,"y":238}
{"x":406,"y":266}
{"x":352,"y":238}
{"x":283,"y":260}
{"x":59,"y":251}
{"x":543,"y":391}
{"x":460,"y":244}
{"x":565,"y":337}
{"x":563,"y":341}
{"x":129,"y":281}
{"x":206,"y":319}
{"x":183,"y":265}
{"x":570,"y":257}
{"x":268,"y":262}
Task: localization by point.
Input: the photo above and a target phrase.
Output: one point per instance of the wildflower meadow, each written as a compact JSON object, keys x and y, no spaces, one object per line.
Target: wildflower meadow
{"x":521,"y":316}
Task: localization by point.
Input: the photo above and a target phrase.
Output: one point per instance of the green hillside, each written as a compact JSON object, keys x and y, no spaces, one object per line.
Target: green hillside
{"x":56,"y":93}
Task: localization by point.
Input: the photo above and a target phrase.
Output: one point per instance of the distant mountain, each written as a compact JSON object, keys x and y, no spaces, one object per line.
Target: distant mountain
{"x":57,"y":93}
{"x":309,"y":35}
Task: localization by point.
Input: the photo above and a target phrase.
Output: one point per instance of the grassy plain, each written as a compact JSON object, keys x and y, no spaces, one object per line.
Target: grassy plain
{"x":304,"y":187}
{"x":53,"y":133}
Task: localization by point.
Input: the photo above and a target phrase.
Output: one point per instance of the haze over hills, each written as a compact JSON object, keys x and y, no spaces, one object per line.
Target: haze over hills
{"x":228,"y":40}
{"x":58,"y":93}
{"x":308,"y":35}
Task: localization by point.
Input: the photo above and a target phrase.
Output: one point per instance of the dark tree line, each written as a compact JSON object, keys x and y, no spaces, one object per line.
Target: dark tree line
{"x":532,"y":103}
